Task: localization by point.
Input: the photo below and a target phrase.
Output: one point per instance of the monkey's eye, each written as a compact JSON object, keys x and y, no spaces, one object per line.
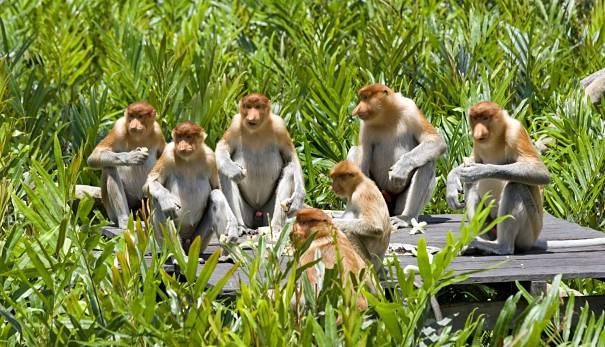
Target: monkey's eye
{"x":248,"y":106}
{"x":350,"y":174}
{"x":364,"y":97}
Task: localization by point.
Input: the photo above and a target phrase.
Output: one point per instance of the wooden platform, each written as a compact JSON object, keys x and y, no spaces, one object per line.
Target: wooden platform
{"x":536,"y":265}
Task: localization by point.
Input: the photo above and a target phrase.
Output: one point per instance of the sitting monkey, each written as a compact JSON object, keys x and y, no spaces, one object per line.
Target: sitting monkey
{"x":258,"y":165}
{"x":125,"y":156}
{"x":184,"y":185}
{"x":398,"y":150}
{"x":313,"y":222}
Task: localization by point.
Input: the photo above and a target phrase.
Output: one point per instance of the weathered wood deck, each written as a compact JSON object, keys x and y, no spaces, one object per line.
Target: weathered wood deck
{"x":536,"y":265}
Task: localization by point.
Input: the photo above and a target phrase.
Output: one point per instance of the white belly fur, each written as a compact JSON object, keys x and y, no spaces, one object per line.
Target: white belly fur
{"x":134,"y":177}
{"x":263,"y":169}
{"x":193,"y":192}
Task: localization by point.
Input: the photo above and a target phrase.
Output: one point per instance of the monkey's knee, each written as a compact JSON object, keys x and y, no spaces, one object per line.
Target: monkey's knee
{"x":354,"y":155}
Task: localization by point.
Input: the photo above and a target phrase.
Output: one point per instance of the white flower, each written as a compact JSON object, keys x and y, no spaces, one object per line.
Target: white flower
{"x":417,"y":228}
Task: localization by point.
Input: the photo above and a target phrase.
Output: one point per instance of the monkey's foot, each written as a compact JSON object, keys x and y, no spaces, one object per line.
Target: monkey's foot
{"x":226,"y":259}
{"x":401,"y":222}
{"x":484,"y":247}
{"x":244,"y":231}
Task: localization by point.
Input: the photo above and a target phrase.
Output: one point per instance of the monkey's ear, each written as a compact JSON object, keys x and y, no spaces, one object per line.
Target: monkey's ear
{"x":173,"y":135}
{"x":152,"y":112}
{"x":385,"y":92}
{"x":126,"y":112}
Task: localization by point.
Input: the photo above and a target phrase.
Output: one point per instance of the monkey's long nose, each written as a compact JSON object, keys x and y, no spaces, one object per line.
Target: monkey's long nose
{"x":356,"y":110}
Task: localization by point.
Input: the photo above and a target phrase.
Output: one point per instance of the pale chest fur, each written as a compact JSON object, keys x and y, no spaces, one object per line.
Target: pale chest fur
{"x":263,"y":166}
{"x":387,"y":149}
{"x":193,"y":192}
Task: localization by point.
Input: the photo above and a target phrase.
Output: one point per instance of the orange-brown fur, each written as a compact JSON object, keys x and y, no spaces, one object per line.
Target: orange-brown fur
{"x":366,"y":219}
{"x":312,"y":222}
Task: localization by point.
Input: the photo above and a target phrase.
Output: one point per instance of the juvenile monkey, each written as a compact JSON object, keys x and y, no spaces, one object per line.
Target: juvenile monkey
{"x":366,"y":218}
{"x":313,"y":222}
{"x":125,"y":156}
{"x":258,"y":165}
{"x":184,"y":186}
{"x":398,"y":149}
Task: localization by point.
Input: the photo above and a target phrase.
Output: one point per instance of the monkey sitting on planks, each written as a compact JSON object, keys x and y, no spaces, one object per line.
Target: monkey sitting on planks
{"x":506,"y":164}
{"x":258,"y":165}
{"x":398,"y":149}
{"x":313,"y":222}
{"x":366,"y":218}
{"x":184,"y":186}
{"x":125,"y":156}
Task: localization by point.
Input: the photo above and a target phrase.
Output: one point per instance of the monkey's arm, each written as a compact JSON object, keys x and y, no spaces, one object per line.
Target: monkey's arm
{"x":453,"y":187}
{"x":225,"y":164}
{"x":155,"y":189}
{"x":358,"y":226}
{"x":430,"y":147}
{"x":366,"y":158}
{"x":104,"y":157}
{"x":526,"y":172}
{"x":296,"y":200}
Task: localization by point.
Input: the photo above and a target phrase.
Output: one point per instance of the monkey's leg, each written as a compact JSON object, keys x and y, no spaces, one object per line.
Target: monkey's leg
{"x":244,"y":214}
{"x":114,"y":197}
{"x":517,"y":231}
{"x":218,"y":219}
{"x":161,"y":222}
{"x":412,"y":200}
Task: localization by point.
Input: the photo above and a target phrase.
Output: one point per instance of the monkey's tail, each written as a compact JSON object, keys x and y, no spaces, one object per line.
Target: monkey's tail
{"x":553,"y":244}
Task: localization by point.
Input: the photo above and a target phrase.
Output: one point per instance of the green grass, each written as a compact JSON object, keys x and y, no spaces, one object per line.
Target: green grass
{"x":68,"y":69}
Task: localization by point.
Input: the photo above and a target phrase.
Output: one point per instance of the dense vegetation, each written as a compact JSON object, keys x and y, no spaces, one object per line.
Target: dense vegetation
{"x":68,"y":69}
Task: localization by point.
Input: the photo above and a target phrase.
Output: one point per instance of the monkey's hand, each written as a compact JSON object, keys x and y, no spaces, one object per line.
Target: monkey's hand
{"x":454,"y":186}
{"x":234,"y":171}
{"x":401,"y":172}
{"x":169,"y":204}
{"x":134,"y":158}
{"x":473,"y":172}
{"x":233,"y":232}
{"x":292,"y":204}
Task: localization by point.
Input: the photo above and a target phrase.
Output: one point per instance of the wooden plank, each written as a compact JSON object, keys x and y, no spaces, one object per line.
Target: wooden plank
{"x":491,"y":310}
{"x":536,"y":265}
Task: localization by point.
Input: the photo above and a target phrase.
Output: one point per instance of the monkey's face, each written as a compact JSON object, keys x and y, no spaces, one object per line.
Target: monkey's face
{"x":309,"y":221}
{"x":188,"y":138}
{"x":255,"y":110}
{"x":371,"y":101}
{"x":299,"y":234}
{"x":487,"y":122}
{"x":139,"y":124}
{"x":342,"y":182}
{"x":186,"y":145}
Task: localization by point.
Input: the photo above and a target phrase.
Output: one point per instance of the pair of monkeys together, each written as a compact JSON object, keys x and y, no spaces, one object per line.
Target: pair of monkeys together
{"x":256,"y":172}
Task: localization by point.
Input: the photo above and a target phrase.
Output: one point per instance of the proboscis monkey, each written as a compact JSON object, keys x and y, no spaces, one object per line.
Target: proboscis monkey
{"x":366,"y":218}
{"x":398,"y":149}
{"x":184,"y":186}
{"x":505,"y":163}
{"x":125,"y":156}
{"x":259,"y":168}
{"x":313,"y":222}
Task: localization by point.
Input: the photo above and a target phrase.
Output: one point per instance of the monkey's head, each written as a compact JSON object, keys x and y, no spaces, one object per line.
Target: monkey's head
{"x":372,"y":100}
{"x":487,"y":122}
{"x":188,"y":138}
{"x":140,"y":117}
{"x":255,"y":110}
{"x":345,"y":178}
{"x":309,"y":221}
